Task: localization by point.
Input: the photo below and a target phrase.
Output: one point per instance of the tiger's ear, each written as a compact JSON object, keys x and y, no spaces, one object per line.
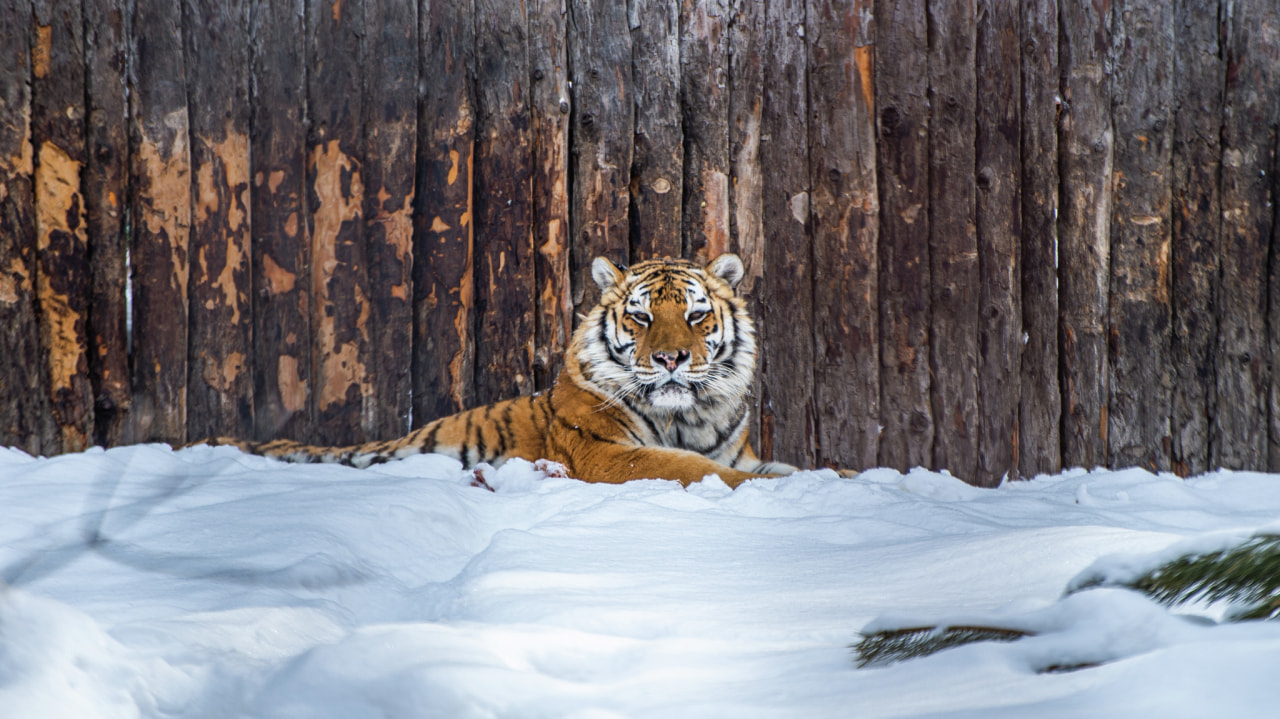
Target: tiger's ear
{"x":605,"y":274}
{"x":727,"y":267}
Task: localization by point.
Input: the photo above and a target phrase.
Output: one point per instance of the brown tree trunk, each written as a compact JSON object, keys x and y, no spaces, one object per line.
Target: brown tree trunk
{"x":1198,"y":76}
{"x":998,"y":211}
{"x":220,"y":375}
{"x":844,"y":209}
{"x":1040,"y":402}
{"x":1248,"y":141}
{"x":160,"y":175}
{"x":549,"y":109}
{"x":1085,"y":153}
{"x":105,"y":194}
{"x":657,"y":167}
{"x":902,"y":155}
{"x":953,"y":241}
{"x":64,"y":279}
{"x":281,"y":249}
{"x":390,"y":87}
{"x":443,"y":284}
{"x":704,"y":99}
{"x":1141,"y":378}
{"x":25,"y":418}
{"x":602,"y":129}
{"x":340,"y":308}
{"x":785,"y":313}
{"x":505,"y":282}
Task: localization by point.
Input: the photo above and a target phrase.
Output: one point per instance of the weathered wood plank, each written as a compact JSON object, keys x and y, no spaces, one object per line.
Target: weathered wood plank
{"x":390,"y":114}
{"x":160,"y":178}
{"x":105,"y":177}
{"x":1040,"y":402}
{"x":603,"y":129}
{"x":443,"y":285}
{"x":340,"y":339}
{"x":704,"y":100}
{"x":902,"y":156}
{"x":844,"y":213}
{"x":549,"y":109}
{"x":1086,"y":140}
{"x":281,"y":251}
{"x":220,"y":379}
{"x":63,"y":277}
{"x":953,"y":242}
{"x":746,"y":177}
{"x":1248,"y":141}
{"x":657,"y":167}
{"x":785,"y":314}
{"x":505,"y":284}
{"x":998,"y":213}
{"x":1198,"y":77}
{"x":1139,"y":338}
{"x":25,"y":418}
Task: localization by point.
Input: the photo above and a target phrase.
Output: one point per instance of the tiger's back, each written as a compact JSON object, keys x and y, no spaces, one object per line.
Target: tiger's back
{"x":656,"y":385}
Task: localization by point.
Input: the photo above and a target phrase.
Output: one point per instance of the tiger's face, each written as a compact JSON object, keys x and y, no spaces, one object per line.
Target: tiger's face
{"x":669,"y":336}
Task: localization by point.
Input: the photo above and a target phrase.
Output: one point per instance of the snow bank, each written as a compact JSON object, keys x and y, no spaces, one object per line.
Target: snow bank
{"x":143,"y":582}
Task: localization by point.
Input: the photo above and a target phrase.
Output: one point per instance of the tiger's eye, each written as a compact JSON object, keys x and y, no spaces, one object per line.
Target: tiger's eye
{"x":695,"y":317}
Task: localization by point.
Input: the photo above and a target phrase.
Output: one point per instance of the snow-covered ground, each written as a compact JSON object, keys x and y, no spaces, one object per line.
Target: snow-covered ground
{"x":208,"y":583}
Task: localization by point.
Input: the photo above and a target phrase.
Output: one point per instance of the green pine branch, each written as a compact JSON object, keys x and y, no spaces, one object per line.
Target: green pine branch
{"x":1247,"y":575}
{"x":895,"y":645}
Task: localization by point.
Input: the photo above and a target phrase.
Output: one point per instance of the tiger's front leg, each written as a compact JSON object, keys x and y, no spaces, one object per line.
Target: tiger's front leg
{"x":616,"y":463}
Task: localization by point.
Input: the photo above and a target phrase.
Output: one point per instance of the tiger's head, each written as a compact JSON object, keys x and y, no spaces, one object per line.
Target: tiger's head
{"x":669,"y":336}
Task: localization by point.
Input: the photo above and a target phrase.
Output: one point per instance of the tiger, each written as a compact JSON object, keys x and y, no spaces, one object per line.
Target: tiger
{"x":656,"y":385}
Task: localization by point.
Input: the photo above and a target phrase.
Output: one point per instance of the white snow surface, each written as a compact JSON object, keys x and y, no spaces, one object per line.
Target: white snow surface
{"x":147,"y":582}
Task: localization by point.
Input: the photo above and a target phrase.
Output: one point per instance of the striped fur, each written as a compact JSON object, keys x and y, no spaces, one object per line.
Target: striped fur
{"x":655,"y":385}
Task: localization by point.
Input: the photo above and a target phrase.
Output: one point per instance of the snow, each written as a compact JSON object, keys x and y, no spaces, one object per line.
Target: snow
{"x":144,"y":582}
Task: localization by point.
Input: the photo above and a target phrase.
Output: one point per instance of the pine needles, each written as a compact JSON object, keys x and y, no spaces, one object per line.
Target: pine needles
{"x":895,"y":645}
{"x":1247,"y":575}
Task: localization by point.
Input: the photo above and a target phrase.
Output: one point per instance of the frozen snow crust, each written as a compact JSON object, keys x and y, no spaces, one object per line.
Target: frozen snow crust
{"x":144,"y":582}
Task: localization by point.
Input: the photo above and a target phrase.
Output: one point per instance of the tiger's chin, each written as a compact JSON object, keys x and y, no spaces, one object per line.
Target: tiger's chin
{"x":671,"y":396}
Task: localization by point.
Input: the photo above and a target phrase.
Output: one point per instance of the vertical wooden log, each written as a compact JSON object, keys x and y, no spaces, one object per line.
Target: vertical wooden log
{"x":1040,"y":403}
{"x":1139,"y":338}
{"x":340,"y":339}
{"x":220,"y":376}
{"x":746,"y":179}
{"x":1085,"y":142}
{"x":785,"y":319}
{"x":549,"y":108}
{"x":1198,"y":78}
{"x":160,"y":176}
{"x":704,"y":100}
{"x":902,"y":149}
{"x":1248,"y":141}
{"x":105,"y":178}
{"x":657,"y":167}
{"x":603,"y":130}
{"x":998,"y":211}
{"x":953,"y":242}
{"x":843,"y":210}
{"x":63,"y":278}
{"x":25,"y":419}
{"x":444,"y":304}
{"x":505,"y":294}
{"x":390,"y":115}
{"x":281,"y":251}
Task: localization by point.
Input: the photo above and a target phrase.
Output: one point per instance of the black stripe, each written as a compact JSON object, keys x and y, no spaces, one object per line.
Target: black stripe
{"x":480,"y":443}
{"x":429,"y":443}
{"x":504,"y":429}
{"x":466,"y":437}
{"x":742,"y":449}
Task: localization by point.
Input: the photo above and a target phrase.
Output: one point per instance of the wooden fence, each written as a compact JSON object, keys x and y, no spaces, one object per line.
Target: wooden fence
{"x":996,"y":237}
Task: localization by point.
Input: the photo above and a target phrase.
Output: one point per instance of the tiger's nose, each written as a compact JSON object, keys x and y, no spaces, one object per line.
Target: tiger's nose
{"x":666,"y":360}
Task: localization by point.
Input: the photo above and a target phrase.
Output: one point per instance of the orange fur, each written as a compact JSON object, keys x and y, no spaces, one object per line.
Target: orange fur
{"x":655,"y":385}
